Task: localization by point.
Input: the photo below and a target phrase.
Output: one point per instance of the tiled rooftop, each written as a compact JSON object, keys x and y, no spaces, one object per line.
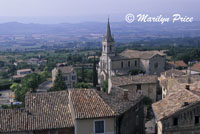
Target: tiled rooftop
{"x":196,"y":67}
{"x":171,"y":72}
{"x":174,"y":102}
{"x":88,"y":104}
{"x":66,"y":69}
{"x":179,"y":63}
{"x":42,"y":111}
{"x":24,"y":70}
{"x":13,"y":120}
{"x":49,"y":110}
{"x":117,"y":101}
{"x":54,"y":110}
{"x":138,"y":79}
{"x":140,"y":54}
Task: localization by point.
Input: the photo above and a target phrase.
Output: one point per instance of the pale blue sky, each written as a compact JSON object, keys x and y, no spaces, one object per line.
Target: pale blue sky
{"x":91,"y":10}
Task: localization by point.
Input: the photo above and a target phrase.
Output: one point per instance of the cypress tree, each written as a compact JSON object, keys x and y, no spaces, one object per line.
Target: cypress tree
{"x":95,"y":79}
{"x":59,"y":83}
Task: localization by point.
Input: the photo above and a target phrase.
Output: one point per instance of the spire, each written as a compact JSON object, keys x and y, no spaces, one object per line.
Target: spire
{"x":108,"y":36}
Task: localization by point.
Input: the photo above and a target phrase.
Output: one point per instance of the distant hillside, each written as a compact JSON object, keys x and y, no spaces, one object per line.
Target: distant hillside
{"x":121,"y":30}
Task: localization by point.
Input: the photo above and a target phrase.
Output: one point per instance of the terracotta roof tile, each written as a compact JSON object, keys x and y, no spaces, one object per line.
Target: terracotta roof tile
{"x":196,"y":67}
{"x":66,"y":69}
{"x":179,"y":63}
{"x":174,"y":102}
{"x":13,"y":120}
{"x":117,"y":101}
{"x":48,"y":110}
{"x":171,"y":72}
{"x":87,"y":103}
{"x":140,"y":54}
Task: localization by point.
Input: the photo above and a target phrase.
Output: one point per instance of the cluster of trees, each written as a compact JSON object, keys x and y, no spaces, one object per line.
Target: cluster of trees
{"x":28,"y":83}
{"x":86,"y":76}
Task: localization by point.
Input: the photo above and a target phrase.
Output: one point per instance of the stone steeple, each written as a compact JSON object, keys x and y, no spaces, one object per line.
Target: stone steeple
{"x":108,"y":37}
{"x":108,"y":47}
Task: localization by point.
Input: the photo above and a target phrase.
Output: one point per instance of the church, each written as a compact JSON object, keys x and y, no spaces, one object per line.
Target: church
{"x":113,"y":64}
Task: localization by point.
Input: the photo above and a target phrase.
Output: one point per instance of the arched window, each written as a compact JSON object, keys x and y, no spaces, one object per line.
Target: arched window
{"x":135,"y":63}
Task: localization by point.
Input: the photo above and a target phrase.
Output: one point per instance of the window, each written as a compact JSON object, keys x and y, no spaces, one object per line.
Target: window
{"x":156,"y":65}
{"x":138,"y":86}
{"x":65,"y":78}
{"x":175,"y":121}
{"x":104,"y":47}
{"x":129,"y":63}
{"x":110,"y":48}
{"x":122,"y":64}
{"x":196,"y":119}
{"x":135,"y":63}
{"x":99,"y":127}
{"x":52,"y":132}
{"x":73,"y":77}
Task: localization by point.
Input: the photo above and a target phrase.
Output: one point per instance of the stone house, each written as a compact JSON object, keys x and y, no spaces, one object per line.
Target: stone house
{"x":22,"y":73}
{"x":112,"y":64}
{"x":76,"y":111}
{"x":137,"y":85}
{"x":179,"y":112}
{"x":176,"y":64}
{"x":195,"y":69}
{"x":68,"y":73}
{"x":173,"y":77}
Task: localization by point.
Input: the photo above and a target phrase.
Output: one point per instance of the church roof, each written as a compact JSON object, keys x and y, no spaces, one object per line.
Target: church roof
{"x":140,"y":54}
{"x":108,"y":37}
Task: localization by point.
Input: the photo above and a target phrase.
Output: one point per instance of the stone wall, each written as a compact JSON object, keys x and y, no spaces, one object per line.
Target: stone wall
{"x":132,"y":121}
{"x":149,"y":90}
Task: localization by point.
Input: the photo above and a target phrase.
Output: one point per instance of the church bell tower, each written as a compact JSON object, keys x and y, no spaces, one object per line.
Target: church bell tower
{"x":108,"y":48}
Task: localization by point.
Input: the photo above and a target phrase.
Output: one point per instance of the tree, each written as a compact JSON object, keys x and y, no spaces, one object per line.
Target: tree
{"x":82,"y":85}
{"x":32,"y":81}
{"x":95,"y":81}
{"x":105,"y":86}
{"x":136,"y":72}
{"x":83,"y":73}
{"x":44,"y":74}
{"x":59,"y":83}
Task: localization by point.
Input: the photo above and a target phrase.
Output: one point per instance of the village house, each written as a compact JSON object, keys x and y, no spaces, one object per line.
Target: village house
{"x":176,"y":64}
{"x":173,"y":77}
{"x":195,"y":69}
{"x":22,"y":73}
{"x":137,"y":85}
{"x":112,"y":64}
{"x":76,"y":111}
{"x":68,"y":73}
{"x":179,"y":111}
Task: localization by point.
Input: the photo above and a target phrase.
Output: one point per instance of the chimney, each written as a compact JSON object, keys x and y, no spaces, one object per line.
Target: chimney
{"x":187,"y":87}
{"x":31,"y":90}
{"x":125,"y":94}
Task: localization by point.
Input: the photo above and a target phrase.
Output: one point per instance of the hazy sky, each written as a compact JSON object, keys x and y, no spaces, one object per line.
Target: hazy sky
{"x":91,"y":10}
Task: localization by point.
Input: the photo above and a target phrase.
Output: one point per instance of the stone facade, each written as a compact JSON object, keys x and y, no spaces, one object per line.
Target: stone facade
{"x":184,"y":122}
{"x":68,"y":73}
{"x":130,"y":122}
{"x":137,"y":85}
